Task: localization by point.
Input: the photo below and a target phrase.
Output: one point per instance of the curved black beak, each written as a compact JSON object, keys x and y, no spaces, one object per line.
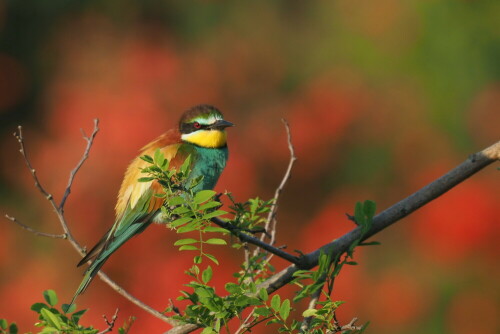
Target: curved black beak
{"x":221,"y":125}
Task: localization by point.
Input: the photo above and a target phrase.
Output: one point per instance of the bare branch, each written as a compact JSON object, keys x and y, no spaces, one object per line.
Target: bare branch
{"x":270,"y":225}
{"x":90,"y":141}
{"x":32,"y":230}
{"x":59,"y":210}
{"x":110,"y":324}
{"x":350,"y":326}
{"x":471,"y":166}
{"x":271,"y":218}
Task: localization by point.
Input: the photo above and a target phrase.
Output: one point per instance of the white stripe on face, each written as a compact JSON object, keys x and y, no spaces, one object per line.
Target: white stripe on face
{"x":208,"y":121}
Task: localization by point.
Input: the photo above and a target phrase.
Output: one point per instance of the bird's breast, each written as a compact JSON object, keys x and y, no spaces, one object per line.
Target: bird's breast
{"x":210,"y":163}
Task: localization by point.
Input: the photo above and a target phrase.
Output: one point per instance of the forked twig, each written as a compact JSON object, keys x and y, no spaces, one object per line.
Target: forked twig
{"x":110,"y":323}
{"x":84,"y":157}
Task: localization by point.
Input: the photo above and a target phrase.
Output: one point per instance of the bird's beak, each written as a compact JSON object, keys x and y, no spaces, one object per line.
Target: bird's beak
{"x":221,"y":125}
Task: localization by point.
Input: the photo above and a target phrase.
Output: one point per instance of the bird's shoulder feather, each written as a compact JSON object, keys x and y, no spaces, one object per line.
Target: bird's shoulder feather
{"x":131,"y":190}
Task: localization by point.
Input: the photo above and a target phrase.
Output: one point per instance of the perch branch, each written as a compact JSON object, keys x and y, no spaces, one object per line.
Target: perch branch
{"x":255,"y":241}
{"x":471,"y":166}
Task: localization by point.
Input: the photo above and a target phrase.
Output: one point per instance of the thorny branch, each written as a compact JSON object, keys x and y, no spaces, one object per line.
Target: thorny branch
{"x":59,"y":210}
{"x":391,"y":215}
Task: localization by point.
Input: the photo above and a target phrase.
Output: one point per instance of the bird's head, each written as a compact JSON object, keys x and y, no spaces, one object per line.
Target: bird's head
{"x":204,"y":125}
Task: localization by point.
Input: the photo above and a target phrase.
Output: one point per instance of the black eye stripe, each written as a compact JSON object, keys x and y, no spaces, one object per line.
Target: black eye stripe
{"x":190,"y":127}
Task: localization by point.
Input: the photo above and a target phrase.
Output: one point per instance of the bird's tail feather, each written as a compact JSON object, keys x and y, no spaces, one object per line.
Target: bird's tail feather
{"x":102,"y":251}
{"x":89,"y":275}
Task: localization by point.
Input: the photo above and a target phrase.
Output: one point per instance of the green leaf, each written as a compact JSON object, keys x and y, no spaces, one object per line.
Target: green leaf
{"x":216,"y":241}
{"x":369,"y":208}
{"x":51,"y":318}
{"x":180,"y":210}
{"x":209,"y":205}
{"x":50,"y":297}
{"x":77,"y":315}
{"x":13,"y":328}
{"x":145,"y":179}
{"x":212,"y":258}
{"x":203,"y":196}
{"x":188,"y":241}
{"x":263,"y":294}
{"x":195,"y":269}
{"x":206,"y":276}
{"x":265,"y":312}
{"x":213,"y":214}
{"x":309,"y":312}
{"x":177,"y":200}
{"x":245,"y":301}
{"x":185,"y":165}
{"x":186,"y":228}
{"x":38,"y":306}
{"x":215,"y":229}
{"x":188,"y":247}
{"x":3,"y":324}
{"x":232,"y":288}
{"x":158,"y":157}
{"x":275,"y":302}
{"x":66,"y":308}
{"x":208,"y":330}
{"x":285,"y":309}
{"x":181,"y":221}
{"x":147,"y":158}
{"x":359,"y":214}
{"x":197,"y":259}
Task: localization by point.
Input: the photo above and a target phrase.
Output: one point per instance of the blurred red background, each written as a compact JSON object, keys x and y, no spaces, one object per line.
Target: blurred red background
{"x":382,"y":98}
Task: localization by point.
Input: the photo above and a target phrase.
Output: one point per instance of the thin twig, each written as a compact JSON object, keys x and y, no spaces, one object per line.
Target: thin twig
{"x":271,"y":218}
{"x":306,"y":323}
{"x":246,"y":324}
{"x":270,"y":225}
{"x":32,"y":230}
{"x":471,"y":166}
{"x":110,"y":324}
{"x":84,"y":157}
{"x":350,"y":326}
{"x":60,"y":215}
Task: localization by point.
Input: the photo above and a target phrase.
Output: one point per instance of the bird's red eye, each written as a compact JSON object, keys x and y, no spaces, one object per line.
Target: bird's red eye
{"x":197,"y":125}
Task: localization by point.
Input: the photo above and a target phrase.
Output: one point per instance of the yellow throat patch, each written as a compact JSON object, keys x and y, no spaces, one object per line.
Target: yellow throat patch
{"x":206,"y":138}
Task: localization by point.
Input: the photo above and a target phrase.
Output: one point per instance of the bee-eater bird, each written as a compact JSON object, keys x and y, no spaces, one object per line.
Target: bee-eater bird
{"x":201,"y":134}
